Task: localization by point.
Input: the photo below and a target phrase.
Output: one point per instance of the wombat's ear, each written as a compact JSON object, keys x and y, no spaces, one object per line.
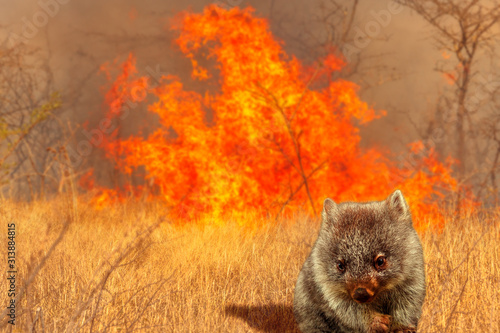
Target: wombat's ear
{"x":397,"y":204}
{"x":329,"y":208}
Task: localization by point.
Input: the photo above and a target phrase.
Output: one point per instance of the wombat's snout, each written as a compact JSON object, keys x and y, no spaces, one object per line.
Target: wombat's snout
{"x":362,"y":295}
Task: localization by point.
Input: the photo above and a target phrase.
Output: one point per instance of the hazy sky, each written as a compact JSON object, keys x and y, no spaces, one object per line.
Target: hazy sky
{"x":78,"y":36}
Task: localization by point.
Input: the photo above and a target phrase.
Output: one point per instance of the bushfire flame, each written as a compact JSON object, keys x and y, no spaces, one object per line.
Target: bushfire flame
{"x":284,"y":137}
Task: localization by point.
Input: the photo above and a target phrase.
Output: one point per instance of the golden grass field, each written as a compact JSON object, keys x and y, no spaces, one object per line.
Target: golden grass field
{"x":109,"y":274}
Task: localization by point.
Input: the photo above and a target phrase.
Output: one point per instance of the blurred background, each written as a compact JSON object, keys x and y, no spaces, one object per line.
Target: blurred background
{"x":431,"y":65}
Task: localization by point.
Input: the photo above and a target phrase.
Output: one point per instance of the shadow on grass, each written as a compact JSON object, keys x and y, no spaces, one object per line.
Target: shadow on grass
{"x":266,"y":317}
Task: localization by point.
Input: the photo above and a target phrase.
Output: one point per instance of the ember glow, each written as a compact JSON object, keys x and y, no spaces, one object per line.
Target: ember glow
{"x":284,"y":136}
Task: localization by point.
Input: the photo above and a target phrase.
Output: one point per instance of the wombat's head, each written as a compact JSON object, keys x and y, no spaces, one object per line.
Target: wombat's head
{"x":364,"y":249}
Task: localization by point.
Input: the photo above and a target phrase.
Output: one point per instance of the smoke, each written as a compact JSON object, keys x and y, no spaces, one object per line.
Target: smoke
{"x":78,"y":36}
{"x":396,"y":71}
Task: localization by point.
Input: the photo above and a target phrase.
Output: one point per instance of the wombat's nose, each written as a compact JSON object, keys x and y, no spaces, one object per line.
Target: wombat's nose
{"x":361,"y":295}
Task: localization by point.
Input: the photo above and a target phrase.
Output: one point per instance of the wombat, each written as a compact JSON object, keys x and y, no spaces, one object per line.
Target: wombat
{"x":365,"y":272}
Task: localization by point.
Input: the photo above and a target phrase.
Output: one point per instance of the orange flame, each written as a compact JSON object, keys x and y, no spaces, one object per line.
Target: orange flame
{"x":132,"y":14}
{"x":285,"y":135}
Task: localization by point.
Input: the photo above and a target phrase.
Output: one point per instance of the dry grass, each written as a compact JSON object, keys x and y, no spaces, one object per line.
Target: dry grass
{"x":104,"y":276}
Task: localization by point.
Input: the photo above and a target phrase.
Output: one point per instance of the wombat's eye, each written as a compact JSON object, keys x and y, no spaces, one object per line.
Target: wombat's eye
{"x":380,"y":262}
{"x":341,"y":266}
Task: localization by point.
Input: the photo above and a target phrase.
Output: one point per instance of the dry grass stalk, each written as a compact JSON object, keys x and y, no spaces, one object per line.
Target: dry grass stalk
{"x":105,"y":277}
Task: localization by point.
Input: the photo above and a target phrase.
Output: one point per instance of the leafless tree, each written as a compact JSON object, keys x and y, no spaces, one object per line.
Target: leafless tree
{"x":335,"y":26}
{"x":464,"y":30}
{"x":490,"y":129}
{"x":27,"y":124}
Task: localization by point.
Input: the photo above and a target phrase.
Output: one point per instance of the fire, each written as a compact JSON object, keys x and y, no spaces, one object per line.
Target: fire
{"x":132,"y":14}
{"x":284,"y":136}
{"x":445,"y":55}
{"x":450,"y":78}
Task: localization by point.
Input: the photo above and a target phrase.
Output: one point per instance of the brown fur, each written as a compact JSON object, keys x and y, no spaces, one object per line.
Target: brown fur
{"x":343,"y":288}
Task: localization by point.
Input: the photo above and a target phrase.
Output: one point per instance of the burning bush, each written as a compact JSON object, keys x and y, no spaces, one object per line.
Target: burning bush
{"x":284,"y":136}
